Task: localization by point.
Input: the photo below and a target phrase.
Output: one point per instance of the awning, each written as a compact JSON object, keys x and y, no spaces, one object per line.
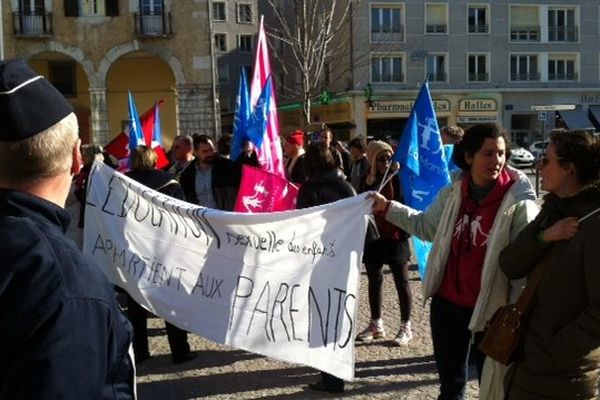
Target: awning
{"x":576,"y":119}
{"x":595,"y":116}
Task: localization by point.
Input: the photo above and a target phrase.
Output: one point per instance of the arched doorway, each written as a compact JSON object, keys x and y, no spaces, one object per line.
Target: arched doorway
{"x":149,"y":79}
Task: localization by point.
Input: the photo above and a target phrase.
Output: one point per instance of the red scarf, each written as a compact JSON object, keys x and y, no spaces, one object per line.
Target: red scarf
{"x":462,"y":275}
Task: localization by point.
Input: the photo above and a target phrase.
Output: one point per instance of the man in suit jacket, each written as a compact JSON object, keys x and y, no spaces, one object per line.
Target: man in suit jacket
{"x":210,"y":180}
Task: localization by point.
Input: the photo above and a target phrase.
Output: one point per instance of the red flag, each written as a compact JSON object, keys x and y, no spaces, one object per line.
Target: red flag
{"x":119,"y":146}
{"x":262,"y":191}
{"x":152,"y":133}
{"x":269,"y":153}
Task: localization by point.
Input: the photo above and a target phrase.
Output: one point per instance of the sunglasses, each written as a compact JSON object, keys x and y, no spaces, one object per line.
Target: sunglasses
{"x":384,"y":159}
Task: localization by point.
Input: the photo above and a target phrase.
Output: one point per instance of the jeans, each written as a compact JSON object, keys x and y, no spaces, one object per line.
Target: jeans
{"x":451,"y":346}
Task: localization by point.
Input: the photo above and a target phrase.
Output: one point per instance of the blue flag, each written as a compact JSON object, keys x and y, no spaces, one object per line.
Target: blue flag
{"x":423,"y":170}
{"x":242,"y":117}
{"x":257,"y":125}
{"x":136,"y":135}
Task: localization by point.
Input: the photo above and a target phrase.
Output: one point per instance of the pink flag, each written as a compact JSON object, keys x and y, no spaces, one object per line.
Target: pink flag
{"x":269,"y":154}
{"x":262,"y":191}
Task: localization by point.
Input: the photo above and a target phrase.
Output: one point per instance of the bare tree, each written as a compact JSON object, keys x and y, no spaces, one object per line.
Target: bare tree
{"x":309,"y":29}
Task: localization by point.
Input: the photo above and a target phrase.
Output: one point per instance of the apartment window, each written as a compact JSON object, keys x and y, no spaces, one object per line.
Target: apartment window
{"x":223,"y":73}
{"x":386,"y":68}
{"x":436,"y":68}
{"x":219,"y":11}
{"x":32,"y":19}
{"x":561,"y":25}
{"x":246,"y":44}
{"x":244,"y":13}
{"x":152,"y":7}
{"x":62,"y":76}
{"x":524,"y":67}
{"x":221,"y":42}
{"x":76,"y":8}
{"x":386,"y":24}
{"x":478,"y":68}
{"x":224,"y":103}
{"x":478,"y":19}
{"x":436,"y":18}
{"x":561,"y":67}
{"x":524,"y":24}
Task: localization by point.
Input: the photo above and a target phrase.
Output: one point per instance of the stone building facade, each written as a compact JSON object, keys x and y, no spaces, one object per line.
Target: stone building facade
{"x":96,"y":51}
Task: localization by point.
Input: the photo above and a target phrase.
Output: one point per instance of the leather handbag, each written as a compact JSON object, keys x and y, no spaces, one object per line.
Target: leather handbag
{"x":504,"y":331}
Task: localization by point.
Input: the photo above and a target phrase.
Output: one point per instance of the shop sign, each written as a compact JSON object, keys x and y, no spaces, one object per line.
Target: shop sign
{"x":405,"y":106}
{"x":477,"y":105}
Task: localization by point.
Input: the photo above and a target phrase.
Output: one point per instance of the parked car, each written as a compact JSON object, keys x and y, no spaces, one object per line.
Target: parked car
{"x":538,"y":148}
{"x":520,"y":158}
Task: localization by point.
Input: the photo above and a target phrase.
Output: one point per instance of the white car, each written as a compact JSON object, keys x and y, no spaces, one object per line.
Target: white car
{"x":538,"y":149}
{"x":520,"y":158}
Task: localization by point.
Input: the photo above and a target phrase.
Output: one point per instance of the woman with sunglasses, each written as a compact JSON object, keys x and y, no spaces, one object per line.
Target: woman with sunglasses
{"x":560,"y":355}
{"x":390,"y":248}
{"x":469,"y":223}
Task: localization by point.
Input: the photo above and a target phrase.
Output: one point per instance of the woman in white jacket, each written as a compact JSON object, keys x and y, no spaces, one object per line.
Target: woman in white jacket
{"x":469,"y":223}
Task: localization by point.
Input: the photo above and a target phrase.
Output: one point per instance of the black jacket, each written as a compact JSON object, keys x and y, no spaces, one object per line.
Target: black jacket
{"x":161,"y":181}
{"x":324,"y":188}
{"x":63,"y":335}
{"x":225,"y":182}
{"x":297,"y":174}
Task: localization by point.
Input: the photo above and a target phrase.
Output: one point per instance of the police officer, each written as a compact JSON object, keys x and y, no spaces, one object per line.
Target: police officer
{"x":62,"y":333}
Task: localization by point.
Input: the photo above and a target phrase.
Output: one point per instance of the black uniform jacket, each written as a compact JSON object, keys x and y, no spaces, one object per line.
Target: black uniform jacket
{"x":62,"y":333}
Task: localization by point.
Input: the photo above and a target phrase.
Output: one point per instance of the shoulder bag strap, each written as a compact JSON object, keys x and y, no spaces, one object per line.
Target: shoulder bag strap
{"x":533,"y":280}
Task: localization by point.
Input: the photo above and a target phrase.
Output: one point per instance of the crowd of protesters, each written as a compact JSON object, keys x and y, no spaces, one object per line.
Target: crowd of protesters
{"x":485,"y":226}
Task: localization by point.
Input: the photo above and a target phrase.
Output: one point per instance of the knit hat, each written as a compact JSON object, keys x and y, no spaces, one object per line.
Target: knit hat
{"x":296,"y":138}
{"x":29,"y":104}
{"x":374,"y":148}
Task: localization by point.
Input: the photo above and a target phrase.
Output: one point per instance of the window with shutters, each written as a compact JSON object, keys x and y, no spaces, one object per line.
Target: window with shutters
{"x":32,"y":19}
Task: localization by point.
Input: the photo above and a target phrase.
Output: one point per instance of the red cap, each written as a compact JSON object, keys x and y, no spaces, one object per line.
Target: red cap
{"x":296,"y":138}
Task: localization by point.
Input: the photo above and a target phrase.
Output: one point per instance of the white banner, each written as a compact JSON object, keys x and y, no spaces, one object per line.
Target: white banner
{"x":284,"y":285}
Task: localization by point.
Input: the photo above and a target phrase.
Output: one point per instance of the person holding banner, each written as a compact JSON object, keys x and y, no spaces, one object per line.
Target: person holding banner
{"x":325,"y":184}
{"x":145,"y":172}
{"x":63,"y":334}
{"x":390,"y":248}
{"x":470,"y":222}
{"x":560,"y":355}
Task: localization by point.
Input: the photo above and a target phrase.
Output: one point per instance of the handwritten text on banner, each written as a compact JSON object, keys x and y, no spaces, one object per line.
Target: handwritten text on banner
{"x":281,"y":284}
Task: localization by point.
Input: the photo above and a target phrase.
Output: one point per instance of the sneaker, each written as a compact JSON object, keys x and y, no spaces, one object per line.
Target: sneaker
{"x":375,"y":330}
{"x":404,"y":334}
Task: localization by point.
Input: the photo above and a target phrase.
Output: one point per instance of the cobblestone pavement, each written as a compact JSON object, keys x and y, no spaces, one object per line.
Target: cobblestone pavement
{"x":383,"y":370}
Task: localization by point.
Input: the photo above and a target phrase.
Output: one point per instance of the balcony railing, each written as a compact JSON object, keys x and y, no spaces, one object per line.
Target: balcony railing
{"x":562,"y":33}
{"x":437,"y":77}
{"x":562,"y":77}
{"x":525,"y":77}
{"x":478,"y":28}
{"x":482,"y":77}
{"x":153,"y":25}
{"x":525,"y":33}
{"x":32,"y":24}
{"x":436,"y":28}
{"x":388,"y":33}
